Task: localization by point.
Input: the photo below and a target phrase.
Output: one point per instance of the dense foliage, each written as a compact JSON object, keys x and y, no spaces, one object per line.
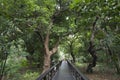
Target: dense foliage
{"x":86,"y":31}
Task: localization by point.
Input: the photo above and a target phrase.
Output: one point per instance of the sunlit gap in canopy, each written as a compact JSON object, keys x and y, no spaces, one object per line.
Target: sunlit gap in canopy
{"x":61,"y":53}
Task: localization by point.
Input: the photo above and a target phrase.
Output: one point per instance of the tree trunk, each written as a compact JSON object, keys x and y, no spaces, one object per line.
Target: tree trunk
{"x":47,"y":61}
{"x":71,"y":52}
{"x":92,"y":49}
{"x":92,"y":52}
{"x":0,"y":77}
{"x":117,"y":67}
{"x":73,"y":57}
{"x":91,"y":65}
{"x":47,"y":57}
{"x":48,"y":53}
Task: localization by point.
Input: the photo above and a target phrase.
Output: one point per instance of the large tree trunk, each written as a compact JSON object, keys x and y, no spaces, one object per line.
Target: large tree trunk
{"x":47,"y":61}
{"x":47,"y":56}
{"x":48,"y":53}
{"x":92,"y":49}
{"x":92,"y":52}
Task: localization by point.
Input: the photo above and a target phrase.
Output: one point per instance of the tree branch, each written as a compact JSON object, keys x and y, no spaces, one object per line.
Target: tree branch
{"x":46,"y":43}
{"x":55,"y":47}
{"x":98,"y":49}
{"x":93,"y":29}
{"x":40,"y":36}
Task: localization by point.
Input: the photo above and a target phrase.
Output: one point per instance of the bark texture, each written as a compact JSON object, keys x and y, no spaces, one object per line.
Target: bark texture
{"x":92,"y":49}
{"x":48,"y":53}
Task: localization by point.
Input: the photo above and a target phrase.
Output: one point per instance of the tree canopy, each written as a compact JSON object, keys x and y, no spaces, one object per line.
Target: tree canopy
{"x":36,"y":32}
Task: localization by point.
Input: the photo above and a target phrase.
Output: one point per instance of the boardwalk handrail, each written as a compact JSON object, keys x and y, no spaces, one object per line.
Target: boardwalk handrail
{"x":76,"y":73}
{"x":48,"y":75}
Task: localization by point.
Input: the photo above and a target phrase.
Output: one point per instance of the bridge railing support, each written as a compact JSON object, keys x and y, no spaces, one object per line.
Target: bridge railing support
{"x":76,"y":73}
{"x":48,"y":75}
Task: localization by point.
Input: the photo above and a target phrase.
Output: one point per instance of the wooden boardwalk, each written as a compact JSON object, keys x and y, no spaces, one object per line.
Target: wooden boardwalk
{"x":63,"y":72}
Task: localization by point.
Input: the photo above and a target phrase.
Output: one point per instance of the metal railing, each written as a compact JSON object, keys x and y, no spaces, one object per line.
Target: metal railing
{"x":76,"y":73}
{"x":48,"y":75}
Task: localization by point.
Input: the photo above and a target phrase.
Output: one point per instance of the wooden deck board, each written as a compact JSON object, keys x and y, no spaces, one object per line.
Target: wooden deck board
{"x":63,"y":72}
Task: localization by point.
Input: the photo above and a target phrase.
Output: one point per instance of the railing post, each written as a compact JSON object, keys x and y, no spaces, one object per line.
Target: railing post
{"x":49,"y":73}
{"x":76,"y":73}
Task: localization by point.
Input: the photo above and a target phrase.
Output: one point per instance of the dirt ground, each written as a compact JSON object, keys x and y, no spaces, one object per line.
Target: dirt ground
{"x":101,"y":74}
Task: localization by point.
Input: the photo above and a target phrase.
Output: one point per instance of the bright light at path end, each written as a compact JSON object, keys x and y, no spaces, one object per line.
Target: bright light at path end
{"x":62,"y":56}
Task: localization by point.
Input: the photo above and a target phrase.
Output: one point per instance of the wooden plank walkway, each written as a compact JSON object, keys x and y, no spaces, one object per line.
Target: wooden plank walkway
{"x":63,"y":72}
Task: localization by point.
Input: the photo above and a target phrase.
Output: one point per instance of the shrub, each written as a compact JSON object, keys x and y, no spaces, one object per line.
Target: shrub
{"x":30,"y":76}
